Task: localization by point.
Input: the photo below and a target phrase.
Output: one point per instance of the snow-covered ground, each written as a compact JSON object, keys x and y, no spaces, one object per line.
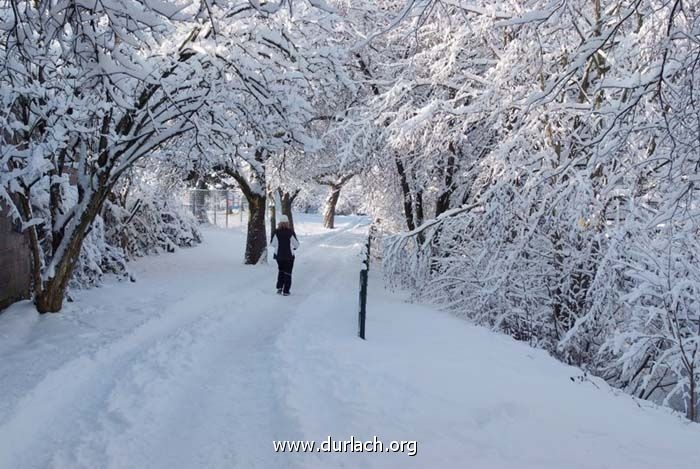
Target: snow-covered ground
{"x":199,"y":364}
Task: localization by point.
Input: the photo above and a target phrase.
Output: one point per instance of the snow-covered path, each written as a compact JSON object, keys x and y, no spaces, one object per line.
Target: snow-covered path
{"x":200,"y":364}
{"x":176,"y":370}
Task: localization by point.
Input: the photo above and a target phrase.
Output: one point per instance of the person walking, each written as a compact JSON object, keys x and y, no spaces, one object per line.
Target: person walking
{"x":285,"y":242}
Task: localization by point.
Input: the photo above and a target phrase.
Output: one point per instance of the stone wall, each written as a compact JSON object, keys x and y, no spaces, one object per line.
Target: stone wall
{"x":15,"y":262}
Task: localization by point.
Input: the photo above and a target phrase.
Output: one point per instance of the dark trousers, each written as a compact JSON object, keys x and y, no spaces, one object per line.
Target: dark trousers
{"x":284,"y":275}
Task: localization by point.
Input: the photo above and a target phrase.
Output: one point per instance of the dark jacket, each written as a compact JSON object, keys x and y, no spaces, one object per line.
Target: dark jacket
{"x":285,"y":241}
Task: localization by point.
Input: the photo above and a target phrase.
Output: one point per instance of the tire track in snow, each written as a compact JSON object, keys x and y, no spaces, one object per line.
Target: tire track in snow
{"x":62,"y":405}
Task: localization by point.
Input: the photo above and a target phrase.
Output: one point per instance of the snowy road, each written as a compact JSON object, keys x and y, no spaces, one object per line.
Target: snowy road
{"x":200,"y":364}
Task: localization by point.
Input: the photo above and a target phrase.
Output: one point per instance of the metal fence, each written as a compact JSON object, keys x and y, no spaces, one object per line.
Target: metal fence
{"x":220,"y":207}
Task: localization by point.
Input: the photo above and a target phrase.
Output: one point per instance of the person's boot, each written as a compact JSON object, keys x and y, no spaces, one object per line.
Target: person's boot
{"x":286,"y":293}
{"x":279,"y":291}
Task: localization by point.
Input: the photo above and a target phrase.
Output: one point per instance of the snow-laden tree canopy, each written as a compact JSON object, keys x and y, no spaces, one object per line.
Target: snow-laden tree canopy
{"x":550,"y":151}
{"x":90,"y":89}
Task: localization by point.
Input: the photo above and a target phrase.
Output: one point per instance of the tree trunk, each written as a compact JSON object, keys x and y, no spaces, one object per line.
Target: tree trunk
{"x":406,"y":191}
{"x":331,"y":203}
{"x":50,"y":298}
{"x":692,"y":405}
{"x":419,"y":217}
{"x":256,"y":240}
{"x":49,"y":294}
{"x":442,"y":204}
{"x":273,"y":214}
{"x":287,"y":200}
{"x":412,"y":206}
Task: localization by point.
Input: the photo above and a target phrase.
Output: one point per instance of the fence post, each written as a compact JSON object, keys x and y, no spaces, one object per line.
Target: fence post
{"x":216,"y":202}
{"x":363,"y":304}
{"x":193,"y":203}
{"x":363,"y":288}
{"x":240,"y":208}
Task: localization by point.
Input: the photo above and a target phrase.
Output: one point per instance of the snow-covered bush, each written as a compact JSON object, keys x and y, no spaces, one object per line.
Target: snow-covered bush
{"x":97,"y":258}
{"x":151,"y":222}
{"x":656,"y":345}
{"x":142,"y":216}
{"x":565,"y":138}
